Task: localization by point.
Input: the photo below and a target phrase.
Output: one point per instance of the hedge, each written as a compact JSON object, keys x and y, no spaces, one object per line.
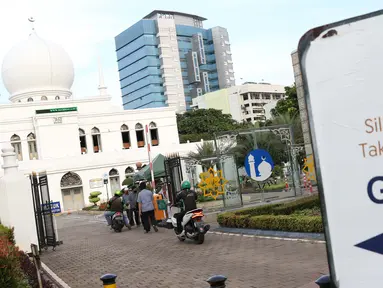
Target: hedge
{"x":280,"y":217}
{"x":291,"y":223}
{"x":285,"y":208}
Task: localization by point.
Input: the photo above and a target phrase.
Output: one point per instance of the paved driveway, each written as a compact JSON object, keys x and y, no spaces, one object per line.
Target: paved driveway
{"x":159,"y":260}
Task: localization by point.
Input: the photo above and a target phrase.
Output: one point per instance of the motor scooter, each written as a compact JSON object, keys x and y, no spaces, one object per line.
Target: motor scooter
{"x":118,"y":222}
{"x":193,"y":227}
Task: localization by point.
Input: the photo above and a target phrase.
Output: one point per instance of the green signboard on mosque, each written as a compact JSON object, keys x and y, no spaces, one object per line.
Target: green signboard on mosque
{"x":56,"y":110}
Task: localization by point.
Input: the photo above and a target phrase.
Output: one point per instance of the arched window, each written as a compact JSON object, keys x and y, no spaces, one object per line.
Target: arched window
{"x":96,"y":137}
{"x":114,"y":179}
{"x":83,"y":146}
{"x":32,"y":147}
{"x":70,"y":179}
{"x":16,"y":144}
{"x":125,"y":137}
{"x":30,"y":100}
{"x":44,"y":98}
{"x":57,"y":97}
{"x":129,"y":171}
{"x":153,"y":133}
{"x":140,"y":135}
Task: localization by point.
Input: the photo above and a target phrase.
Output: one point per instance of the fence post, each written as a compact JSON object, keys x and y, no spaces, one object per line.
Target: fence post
{"x":217,"y":281}
{"x":109,"y":280}
{"x":324,"y":281}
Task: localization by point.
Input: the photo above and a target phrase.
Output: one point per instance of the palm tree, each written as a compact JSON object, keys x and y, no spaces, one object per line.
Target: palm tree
{"x":294,"y":121}
{"x":205,"y":154}
{"x":264,"y":140}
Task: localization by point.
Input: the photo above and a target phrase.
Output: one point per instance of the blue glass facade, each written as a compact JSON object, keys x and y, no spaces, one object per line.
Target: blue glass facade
{"x":185,"y":44}
{"x":139,"y":64}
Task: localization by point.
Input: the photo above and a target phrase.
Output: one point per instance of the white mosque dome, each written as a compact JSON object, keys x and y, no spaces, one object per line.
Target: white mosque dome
{"x":37,"y":69}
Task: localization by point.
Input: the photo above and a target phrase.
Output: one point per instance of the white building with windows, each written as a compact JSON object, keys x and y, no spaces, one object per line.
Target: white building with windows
{"x":250,"y":102}
{"x":76,"y":141}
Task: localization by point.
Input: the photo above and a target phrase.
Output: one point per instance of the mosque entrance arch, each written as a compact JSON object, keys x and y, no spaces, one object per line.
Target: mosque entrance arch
{"x":72,"y":191}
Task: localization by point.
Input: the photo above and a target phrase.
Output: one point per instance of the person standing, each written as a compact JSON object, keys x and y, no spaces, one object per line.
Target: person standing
{"x":133,"y":211}
{"x":125,"y":197}
{"x":146,"y":208}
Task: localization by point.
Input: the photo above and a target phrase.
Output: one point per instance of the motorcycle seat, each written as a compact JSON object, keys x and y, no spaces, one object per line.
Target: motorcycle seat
{"x":194,"y":211}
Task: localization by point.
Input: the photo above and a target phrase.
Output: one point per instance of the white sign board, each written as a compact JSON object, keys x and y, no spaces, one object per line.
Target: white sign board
{"x":342,"y":68}
{"x":96,"y":183}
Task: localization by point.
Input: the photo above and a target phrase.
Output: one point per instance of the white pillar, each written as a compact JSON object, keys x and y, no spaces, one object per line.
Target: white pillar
{"x":16,"y":203}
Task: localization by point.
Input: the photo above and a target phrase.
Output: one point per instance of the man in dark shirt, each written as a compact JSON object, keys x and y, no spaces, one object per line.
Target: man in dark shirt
{"x":116,"y":204}
{"x":189,"y":199}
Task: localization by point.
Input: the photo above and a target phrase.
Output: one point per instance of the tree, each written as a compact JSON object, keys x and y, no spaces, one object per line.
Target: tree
{"x":294,"y":121}
{"x":203,"y":123}
{"x":289,"y":104}
{"x":205,"y":150}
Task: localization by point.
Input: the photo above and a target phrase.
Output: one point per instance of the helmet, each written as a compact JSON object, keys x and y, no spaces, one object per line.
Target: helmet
{"x":185,"y":185}
{"x":118,"y":193}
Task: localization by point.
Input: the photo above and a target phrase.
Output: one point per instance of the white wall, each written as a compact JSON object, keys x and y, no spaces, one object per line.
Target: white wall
{"x":16,"y":203}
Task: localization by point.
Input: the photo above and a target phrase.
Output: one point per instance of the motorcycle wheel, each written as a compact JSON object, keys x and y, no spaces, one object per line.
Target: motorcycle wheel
{"x":181,"y":238}
{"x":200,"y":238}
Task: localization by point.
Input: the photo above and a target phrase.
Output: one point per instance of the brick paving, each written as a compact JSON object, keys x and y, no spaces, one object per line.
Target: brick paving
{"x":159,"y":260}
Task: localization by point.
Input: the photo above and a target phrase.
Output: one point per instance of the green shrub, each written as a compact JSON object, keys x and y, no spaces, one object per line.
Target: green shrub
{"x":285,"y":208}
{"x":95,"y":194}
{"x":302,"y":215}
{"x":10,"y":271}
{"x":9,"y":233}
{"x":93,"y":198}
{"x":291,"y":223}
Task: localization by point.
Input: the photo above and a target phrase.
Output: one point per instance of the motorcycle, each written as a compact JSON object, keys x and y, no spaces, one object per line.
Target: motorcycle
{"x":118,"y":222}
{"x":193,"y":227}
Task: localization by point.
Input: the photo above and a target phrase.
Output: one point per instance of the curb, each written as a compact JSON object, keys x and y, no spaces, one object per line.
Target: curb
{"x":56,"y":278}
{"x":269,"y":237}
{"x":248,"y":235}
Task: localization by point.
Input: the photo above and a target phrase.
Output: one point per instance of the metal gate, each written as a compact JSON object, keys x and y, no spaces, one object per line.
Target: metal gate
{"x":43,"y":212}
{"x":174,"y":177}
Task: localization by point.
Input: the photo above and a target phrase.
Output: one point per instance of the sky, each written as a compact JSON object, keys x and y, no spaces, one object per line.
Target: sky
{"x":262,"y":33}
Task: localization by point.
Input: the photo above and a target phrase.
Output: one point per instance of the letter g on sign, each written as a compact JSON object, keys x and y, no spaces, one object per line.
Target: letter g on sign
{"x":371,"y":192}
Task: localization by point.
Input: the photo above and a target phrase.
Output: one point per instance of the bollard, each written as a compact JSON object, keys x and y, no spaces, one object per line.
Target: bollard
{"x":324,"y":281}
{"x":109,"y":280}
{"x":217,"y":281}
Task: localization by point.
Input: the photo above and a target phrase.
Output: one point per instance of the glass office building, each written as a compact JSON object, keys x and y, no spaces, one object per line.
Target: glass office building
{"x":168,"y":58}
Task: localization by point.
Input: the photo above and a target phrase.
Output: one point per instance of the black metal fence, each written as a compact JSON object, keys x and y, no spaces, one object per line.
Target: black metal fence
{"x":173,"y":171}
{"x":43,"y":213}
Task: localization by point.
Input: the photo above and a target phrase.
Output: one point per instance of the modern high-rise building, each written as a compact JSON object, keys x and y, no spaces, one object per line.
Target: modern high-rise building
{"x":168,"y":58}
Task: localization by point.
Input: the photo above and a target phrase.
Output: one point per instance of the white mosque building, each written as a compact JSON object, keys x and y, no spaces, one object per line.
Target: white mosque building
{"x":76,"y":141}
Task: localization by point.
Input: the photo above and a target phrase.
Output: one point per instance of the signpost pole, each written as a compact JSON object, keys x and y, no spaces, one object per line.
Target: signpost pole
{"x":106,"y":185}
{"x":150,"y":158}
